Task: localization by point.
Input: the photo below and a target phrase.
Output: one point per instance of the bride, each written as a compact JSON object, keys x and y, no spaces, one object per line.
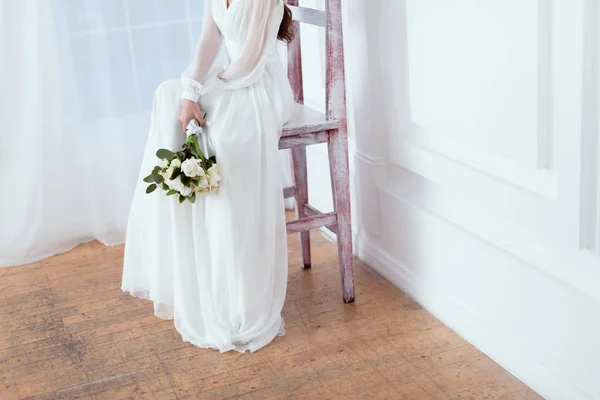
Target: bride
{"x":218,"y":267}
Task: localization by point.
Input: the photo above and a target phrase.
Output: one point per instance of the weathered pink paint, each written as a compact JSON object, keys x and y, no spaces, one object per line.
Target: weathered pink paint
{"x":295,"y":61}
{"x":289,"y":191}
{"x":310,"y":127}
{"x":301,"y":182}
{"x":298,"y":156}
{"x":338,"y":143}
{"x":298,"y":137}
{"x":307,"y":223}
{"x":303,"y":140}
{"x":310,"y":16}
{"x":338,"y":163}
{"x":311,"y":211}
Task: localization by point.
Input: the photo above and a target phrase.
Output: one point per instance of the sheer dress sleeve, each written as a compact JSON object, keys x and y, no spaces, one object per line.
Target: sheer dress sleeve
{"x":207,"y":49}
{"x":253,"y":32}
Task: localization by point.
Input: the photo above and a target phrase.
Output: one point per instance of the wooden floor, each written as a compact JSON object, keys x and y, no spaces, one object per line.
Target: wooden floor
{"x":67,"y":331}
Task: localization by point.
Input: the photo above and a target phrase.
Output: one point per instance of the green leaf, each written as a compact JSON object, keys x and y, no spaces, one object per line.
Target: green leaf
{"x":151,"y":188}
{"x":149,"y":179}
{"x":181,"y":199}
{"x":176,"y":173}
{"x":192,"y":198}
{"x":165,"y":186}
{"x":164,"y":153}
{"x":158,"y":178}
{"x":171,"y":192}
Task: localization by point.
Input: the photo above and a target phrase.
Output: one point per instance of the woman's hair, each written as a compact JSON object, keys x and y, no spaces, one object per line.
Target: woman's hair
{"x":287,"y":29}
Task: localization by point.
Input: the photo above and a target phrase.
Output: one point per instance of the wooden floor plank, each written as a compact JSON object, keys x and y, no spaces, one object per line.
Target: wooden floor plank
{"x":67,"y":331}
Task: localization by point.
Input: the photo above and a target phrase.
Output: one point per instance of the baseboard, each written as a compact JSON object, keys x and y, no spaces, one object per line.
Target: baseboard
{"x":516,"y":360}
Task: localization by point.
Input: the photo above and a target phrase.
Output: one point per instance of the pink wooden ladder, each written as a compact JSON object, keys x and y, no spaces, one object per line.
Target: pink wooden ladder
{"x":310,"y":127}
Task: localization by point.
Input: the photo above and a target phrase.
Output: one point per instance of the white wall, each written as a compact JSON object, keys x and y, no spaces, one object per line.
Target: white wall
{"x":477,"y":174}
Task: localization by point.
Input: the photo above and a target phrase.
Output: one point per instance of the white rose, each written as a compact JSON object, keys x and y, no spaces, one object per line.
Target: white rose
{"x":176,"y":163}
{"x":175,"y":184}
{"x":191,"y":168}
{"x":203,"y":183}
{"x":186,"y":191}
{"x":193,"y":128}
{"x":213,"y":175}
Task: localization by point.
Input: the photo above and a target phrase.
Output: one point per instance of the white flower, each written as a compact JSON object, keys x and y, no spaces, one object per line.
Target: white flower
{"x":213,"y":175}
{"x":203,"y":183}
{"x":193,"y":128}
{"x":164,"y":163}
{"x":176,"y":163}
{"x":191,"y":168}
{"x":167,"y":173}
{"x":175,"y":184}
{"x":186,"y":191}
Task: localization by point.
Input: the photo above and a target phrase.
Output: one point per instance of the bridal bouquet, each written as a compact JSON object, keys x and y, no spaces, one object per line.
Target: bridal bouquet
{"x":187,"y":173}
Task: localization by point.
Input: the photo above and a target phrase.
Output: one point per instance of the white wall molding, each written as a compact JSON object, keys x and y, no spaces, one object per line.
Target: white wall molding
{"x":589,"y":219}
{"x":581,"y":274}
{"x":498,"y":347}
{"x":369,"y":160}
{"x":535,"y":177}
{"x":545,"y":140}
{"x":493,"y":167}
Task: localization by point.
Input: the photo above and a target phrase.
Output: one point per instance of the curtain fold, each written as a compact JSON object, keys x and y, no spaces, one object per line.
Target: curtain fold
{"x":77,"y":80}
{"x":41,"y":177}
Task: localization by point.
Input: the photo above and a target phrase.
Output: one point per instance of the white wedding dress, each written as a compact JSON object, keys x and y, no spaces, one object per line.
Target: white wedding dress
{"x":219,"y":267}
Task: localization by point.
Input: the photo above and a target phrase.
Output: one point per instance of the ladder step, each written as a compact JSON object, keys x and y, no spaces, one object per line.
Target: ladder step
{"x":305,"y":139}
{"x":289,"y":191}
{"x":309,"y":16}
{"x":313,"y":222}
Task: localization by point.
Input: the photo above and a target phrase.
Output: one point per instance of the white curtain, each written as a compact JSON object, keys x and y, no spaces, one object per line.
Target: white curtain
{"x":77,"y":80}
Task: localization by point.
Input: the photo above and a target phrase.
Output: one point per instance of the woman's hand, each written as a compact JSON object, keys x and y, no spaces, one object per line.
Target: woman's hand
{"x":190,"y":110}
